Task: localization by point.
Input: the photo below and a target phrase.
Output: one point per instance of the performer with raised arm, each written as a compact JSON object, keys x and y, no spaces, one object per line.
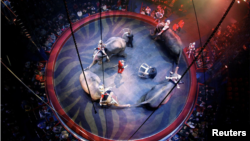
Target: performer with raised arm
{"x":166,"y":27}
{"x":191,"y":48}
{"x":121,"y":66}
{"x":174,"y":77}
{"x":101,"y":47}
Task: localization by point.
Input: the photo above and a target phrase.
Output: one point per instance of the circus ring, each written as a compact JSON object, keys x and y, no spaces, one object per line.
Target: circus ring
{"x":74,"y":105}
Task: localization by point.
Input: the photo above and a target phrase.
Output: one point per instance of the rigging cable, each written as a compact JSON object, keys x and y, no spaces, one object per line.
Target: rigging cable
{"x":202,"y":58}
{"x":72,"y":33}
{"x":100,"y":19}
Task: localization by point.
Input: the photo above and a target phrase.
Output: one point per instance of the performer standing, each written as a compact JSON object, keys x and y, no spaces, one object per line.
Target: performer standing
{"x":191,"y":48}
{"x":121,"y":66}
{"x":148,"y":10}
{"x":130,"y":39}
{"x":166,"y":27}
{"x":181,"y":24}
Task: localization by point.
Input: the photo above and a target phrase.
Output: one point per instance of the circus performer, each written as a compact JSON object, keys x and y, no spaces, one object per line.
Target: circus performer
{"x":180,"y":25}
{"x":191,"y":48}
{"x":175,"y":77}
{"x":175,"y":27}
{"x":101,"y":47}
{"x":130,"y":39}
{"x":108,"y":98}
{"x":166,"y":27}
{"x":121,"y":66}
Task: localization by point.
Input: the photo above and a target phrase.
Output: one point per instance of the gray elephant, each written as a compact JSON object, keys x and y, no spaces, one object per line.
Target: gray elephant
{"x":94,"y":83}
{"x":156,"y":95}
{"x":114,"y":46}
{"x":171,"y":41}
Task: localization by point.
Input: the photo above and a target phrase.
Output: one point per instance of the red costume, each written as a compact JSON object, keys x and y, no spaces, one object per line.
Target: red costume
{"x":181,"y":23}
{"x":120,"y":67}
{"x":175,"y":27}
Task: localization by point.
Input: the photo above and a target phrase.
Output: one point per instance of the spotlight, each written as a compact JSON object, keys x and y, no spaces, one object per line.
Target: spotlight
{"x":225,"y":66}
{"x":238,"y":1}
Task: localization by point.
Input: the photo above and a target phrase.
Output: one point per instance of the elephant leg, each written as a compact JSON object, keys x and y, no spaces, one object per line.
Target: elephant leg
{"x":107,"y":59}
{"x":93,"y":63}
{"x":99,"y":62}
{"x":122,"y":54}
{"x":122,"y":106}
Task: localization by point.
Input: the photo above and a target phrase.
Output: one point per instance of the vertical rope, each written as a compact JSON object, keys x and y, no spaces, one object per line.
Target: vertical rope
{"x":72,"y":33}
{"x":204,"y":74}
{"x":100,"y":19}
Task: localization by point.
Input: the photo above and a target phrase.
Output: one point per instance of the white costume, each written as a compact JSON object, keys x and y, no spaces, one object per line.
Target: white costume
{"x":105,"y":92}
{"x":148,"y":10}
{"x":166,"y":26}
{"x":101,"y":47}
{"x":190,"y":49}
{"x":79,"y":13}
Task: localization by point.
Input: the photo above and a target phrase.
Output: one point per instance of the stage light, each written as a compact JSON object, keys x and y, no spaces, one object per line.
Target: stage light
{"x":238,"y":1}
{"x":226,"y":66}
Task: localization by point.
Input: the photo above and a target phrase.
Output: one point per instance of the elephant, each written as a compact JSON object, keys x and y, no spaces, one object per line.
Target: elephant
{"x":114,"y":46}
{"x":171,"y":41}
{"x":94,"y":82}
{"x":156,"y":95}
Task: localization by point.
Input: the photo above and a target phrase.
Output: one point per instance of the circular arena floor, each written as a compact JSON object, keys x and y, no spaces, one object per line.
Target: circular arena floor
{"x":75,"y":106}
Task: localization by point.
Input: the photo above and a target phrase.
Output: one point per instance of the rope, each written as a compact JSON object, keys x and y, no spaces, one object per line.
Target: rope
{"x":72,"y":33}
{"x":204,"y":74}
{"x":100,"y":19}
{"x":9,"y":9}
{"x":38,"y":96}
{"x":212,"y":34}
